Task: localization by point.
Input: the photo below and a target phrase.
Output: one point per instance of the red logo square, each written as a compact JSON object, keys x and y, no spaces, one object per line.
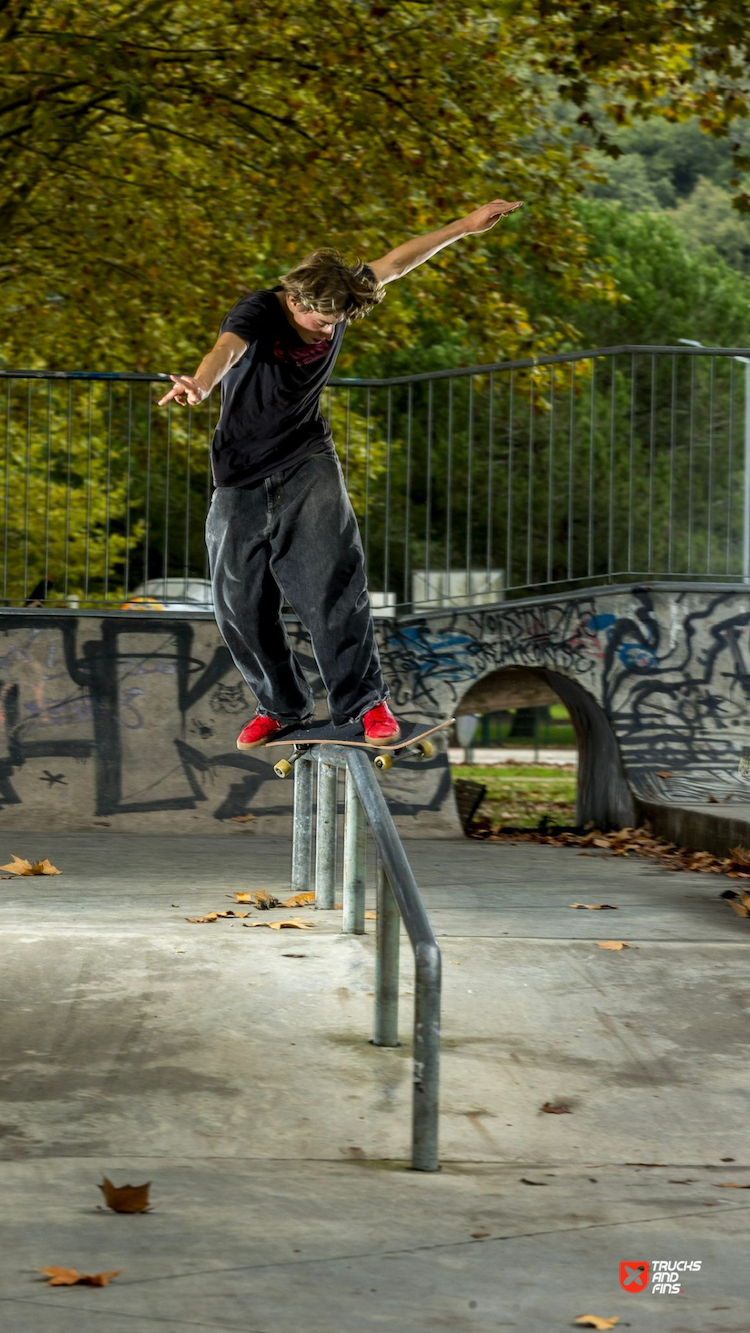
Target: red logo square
{"x":634,"y":1274}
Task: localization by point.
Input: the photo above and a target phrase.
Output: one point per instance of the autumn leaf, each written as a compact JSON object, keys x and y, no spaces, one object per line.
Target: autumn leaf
{"x":556,"y":1108}
{"x":611,"y":944}
{"x":664,"y":773}
{"x":596,"y":1321}
{"x":125,"y":1198}
{"x":371,"y":916}
{"x":20,"y":867}
{"x":730,"y":1185}
{"x":241,"y":819}
{"x":299,"y":900}
{"x":595,"y":907}
{"x":291,"y":923}
{"x":243,"y":897}
{"x":479,"y":1235}
{"x":264,"y":900}
{"x":202,"y":920}
{"x":70,"y":1277}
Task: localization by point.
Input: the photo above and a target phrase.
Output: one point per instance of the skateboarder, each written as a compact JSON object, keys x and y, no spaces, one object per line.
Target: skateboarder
{"x":281,"y":525}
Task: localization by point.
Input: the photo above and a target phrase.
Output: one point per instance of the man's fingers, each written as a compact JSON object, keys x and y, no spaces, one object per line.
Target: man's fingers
{"x":184,"y":389}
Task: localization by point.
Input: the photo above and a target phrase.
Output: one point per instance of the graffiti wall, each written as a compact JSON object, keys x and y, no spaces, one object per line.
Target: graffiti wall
{"x":130,"y":720}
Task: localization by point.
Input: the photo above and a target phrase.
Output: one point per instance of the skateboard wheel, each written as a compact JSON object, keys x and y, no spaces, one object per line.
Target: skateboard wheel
{"x":425,"y":750}
{"x":282,"y":769}
{"x":384,"y":761}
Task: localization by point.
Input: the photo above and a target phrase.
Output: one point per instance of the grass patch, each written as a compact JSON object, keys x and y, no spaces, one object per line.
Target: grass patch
{"x":523,"y":794}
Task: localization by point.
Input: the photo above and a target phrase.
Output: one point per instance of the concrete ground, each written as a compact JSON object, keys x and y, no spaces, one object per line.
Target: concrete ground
{"x":231,"y":1067}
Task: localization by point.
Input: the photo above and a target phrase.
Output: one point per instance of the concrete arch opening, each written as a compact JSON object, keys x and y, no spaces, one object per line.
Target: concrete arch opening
{"x":602,"y":794}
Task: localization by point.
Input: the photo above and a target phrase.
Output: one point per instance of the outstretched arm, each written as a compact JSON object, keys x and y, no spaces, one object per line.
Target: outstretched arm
{"x":407,"y":256}
{"x":192,"y":389}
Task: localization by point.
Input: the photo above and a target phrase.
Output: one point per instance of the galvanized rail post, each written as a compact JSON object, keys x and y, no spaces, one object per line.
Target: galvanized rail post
{"x":355,"y":861}
{"x":386,"y":963}
{"x":325,"y":836}
{"x":302,"y":834}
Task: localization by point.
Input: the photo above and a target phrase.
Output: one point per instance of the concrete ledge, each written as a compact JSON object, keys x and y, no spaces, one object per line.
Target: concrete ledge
{"x":709,"y":828}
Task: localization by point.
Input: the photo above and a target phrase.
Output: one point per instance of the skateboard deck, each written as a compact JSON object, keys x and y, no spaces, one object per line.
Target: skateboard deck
{"x":414,"y":737}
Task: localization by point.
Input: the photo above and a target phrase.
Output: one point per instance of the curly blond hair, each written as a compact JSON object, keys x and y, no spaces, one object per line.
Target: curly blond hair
{"x":324,"y":282}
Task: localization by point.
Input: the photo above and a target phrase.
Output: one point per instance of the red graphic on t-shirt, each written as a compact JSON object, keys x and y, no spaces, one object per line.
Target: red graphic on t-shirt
{"x":302,"y":355}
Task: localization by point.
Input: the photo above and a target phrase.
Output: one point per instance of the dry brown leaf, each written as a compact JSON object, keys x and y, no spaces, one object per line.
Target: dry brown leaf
{"x":664,"y":773}
{"x":201,"y":920}
{"x":371,"y":916}
{"x":611,"y":944}
{"x":299,"y":900}
{"x":231,"y":913}
{"x":20,"y":867}
{"x":264,"y":900}
{"x":291,"y":923}
{"x":712,"y":800}
{"x":739,"y":907}
{"x":740,"y":856}
{"x":241,"y":819}
{"x":595,"y":907}
{"x":70,"y":1277}
{"x":730,"y":1185}
{"x":243,"y":898}
{"x":479,"y":1235}
{"x":556,"y":1108}
{"x":596,"y":1321}
{"x":125,"y":1198}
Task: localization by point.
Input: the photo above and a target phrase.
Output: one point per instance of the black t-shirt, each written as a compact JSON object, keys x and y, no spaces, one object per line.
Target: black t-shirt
{"x":270,"y":409}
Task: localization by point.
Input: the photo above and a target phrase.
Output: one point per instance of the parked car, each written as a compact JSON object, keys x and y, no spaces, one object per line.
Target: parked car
{"x":171,"y":595}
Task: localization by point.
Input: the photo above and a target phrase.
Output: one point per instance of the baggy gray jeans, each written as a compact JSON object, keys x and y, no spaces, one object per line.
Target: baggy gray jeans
{"x":294,"y":535}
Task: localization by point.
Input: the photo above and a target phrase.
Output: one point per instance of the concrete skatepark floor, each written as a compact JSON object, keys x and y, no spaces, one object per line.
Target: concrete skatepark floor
{"x":241,"y":1082}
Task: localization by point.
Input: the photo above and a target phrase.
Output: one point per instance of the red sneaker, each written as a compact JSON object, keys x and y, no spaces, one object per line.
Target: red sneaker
{"x":257,"y":732}
{"x":380,"y":725}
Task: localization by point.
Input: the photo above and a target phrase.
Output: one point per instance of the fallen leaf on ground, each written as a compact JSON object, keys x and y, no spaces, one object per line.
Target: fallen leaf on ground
{"x":664,"y":773}
{"x":371,"y":916}
{"x":595,"y":907}
{"x":299,"y":900}
{"x":241,"y":819}
{"x":291,"y":923}
{"x":524,"y":1181}
{"x":20,"y":867}
{"x":243,"y":897}
{"x":597,"y":1321}
{"x":556,"y":1108}
{"x":730,"y":1185}
{"x":201,"y":920}
{"x":740,"y":855}
{"x":611,"y":944}
{"x":70,"y":1277}
{"x":125,"y":1198}
{"x":739,"y":902}
{"x":689,"y":1181}
{"x":294,"y":955}
{"x":264,"y":900}
{"x":479,"y":1235}
{"x":231,"y":913}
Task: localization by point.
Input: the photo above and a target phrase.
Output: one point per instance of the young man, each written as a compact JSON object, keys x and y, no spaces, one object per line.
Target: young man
{"x":281,"y":525}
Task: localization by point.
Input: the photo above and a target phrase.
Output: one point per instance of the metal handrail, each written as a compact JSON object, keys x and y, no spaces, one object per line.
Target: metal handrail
{"x":397,"y":897}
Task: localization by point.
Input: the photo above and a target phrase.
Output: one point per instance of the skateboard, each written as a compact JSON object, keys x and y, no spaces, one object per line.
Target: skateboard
{"x":413,"y":738}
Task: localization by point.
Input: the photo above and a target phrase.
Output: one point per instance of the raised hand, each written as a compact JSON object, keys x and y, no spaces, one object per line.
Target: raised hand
{"x":186,"y":389}
{"x":484,"y":218}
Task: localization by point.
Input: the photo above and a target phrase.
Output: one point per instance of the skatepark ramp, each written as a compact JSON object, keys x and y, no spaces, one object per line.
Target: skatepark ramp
{"x":398,"y":899}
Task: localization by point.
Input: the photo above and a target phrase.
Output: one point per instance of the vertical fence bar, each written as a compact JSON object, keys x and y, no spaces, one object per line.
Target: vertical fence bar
{"x":348,"y":438}
{"x":746,"y":489}
{"x":302,"y":834}
{"x":631,"y":462}
{"x":652,"y":466}
{"x":530,"y":487}
{"x":355,"y":861}
{"x":407,"y":497}
{"x":691,"y":460}
{"x":672,"y":449}
{"x":6,"y":497}
{"x":711,"y":391}
{"x":571,"y":466}
{"x":550,"y":471}
{"x":89,"y":488}
{"x":592,"y":429}
{"x":490,"y":466}
{"x":27,"y":506}
{"x":469,"y":485}
{"x":325,"y":836}
{"x":147,"y":509}
{"x":611,"y":505}
{"x":186,"y":558}
{"x":428,"y":498}
{"x":449,"y":493}
{"x":386,"y":963}
{"x":48,"y":487}
{"x":108,"y":490}
{"x":386,"y":563}
{"x":127,"y":490}
{"x":167,"y":470}
{"x":209,"y":483}
{"x":730,"y":466}
{"x":509,"y":524}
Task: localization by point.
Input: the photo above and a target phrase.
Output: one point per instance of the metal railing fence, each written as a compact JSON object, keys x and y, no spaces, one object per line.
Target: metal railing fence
{"x":470,"y":484}
{"x":398,"y":899}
